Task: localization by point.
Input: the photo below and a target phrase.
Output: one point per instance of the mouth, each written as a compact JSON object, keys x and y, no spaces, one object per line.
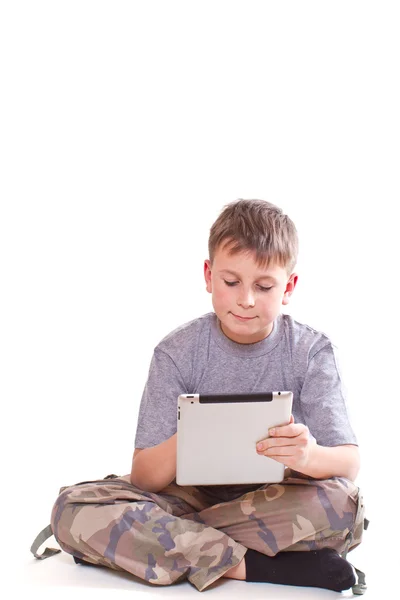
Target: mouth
{"x":242,"y":318}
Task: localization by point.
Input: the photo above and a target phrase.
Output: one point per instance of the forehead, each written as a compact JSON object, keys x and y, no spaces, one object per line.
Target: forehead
{"x":244,"y":263}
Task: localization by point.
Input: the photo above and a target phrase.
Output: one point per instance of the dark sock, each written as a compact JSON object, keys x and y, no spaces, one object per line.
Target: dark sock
{"x":316,"y":568}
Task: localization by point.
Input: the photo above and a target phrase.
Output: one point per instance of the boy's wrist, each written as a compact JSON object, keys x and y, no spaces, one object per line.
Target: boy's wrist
{"x":325,"y":462}
{"x":155,"y":467}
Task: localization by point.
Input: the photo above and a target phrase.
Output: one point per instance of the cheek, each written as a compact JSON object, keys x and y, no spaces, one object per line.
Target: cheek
{"x":269,"y":304}
{"x":222,"y":295}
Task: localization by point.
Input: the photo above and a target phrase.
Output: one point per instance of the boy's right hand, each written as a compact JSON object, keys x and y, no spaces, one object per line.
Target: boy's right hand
{"x":289,"y":444}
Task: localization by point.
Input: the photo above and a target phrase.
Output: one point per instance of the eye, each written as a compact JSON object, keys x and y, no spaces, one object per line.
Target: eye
{"x":261,"y":287}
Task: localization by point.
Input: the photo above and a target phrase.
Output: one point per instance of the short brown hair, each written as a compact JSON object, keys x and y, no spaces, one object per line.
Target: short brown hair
{"x":256,"y":226}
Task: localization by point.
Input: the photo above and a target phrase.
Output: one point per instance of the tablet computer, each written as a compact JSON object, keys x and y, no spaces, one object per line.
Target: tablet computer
{"x":217,"y":436}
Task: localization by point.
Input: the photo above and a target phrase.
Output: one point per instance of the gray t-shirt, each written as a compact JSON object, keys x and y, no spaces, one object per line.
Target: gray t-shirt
{"x":198,"y":358}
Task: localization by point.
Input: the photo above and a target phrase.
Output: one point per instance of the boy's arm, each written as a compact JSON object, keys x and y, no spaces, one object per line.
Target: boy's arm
{"x":334,"y":461}
{"x":154,"y":460}
{"x":324,"y":410}
{"x":292,"y":445}
{"x":154,"y":468}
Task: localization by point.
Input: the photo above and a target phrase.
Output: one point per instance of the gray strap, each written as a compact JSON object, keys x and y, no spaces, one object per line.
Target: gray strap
{"x":40,"y":539}
{"x":348,"y":540}
{"x":360,"y":587}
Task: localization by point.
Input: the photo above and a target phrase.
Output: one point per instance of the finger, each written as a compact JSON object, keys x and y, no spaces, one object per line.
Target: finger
{"x":291,"y":430}
{"x":277,"y":442}
{"x":280,"y":451}
{"x":273,"y":429}
{"x":281,"y":459}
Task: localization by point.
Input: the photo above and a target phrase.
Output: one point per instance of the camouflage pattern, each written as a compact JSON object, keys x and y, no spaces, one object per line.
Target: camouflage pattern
{"x":184,"y":532}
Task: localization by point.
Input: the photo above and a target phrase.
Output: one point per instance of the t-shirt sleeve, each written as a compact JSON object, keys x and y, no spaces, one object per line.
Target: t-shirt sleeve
{"x":323,"y":400}
{"x":158,"y":407}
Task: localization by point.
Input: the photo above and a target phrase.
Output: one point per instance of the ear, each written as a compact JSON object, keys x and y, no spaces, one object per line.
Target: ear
{"x":207,"y":275}
{"x":291,"y":284}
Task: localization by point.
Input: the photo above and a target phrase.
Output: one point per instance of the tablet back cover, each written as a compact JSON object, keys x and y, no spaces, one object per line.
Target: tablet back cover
{"x":217,"y":437}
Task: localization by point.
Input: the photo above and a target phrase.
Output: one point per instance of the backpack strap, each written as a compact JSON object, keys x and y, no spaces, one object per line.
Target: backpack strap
{"x":360,"y":587}
{"x":39,"y":540}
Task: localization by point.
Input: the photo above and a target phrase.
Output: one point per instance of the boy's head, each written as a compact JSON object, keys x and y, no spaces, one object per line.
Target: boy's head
{"x":253,"y":250}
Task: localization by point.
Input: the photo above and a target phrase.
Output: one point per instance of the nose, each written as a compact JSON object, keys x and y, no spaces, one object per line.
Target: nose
{"x":246,"y":299}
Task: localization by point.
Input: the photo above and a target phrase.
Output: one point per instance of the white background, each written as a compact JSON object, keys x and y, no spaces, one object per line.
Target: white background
{"x":125,"y":129}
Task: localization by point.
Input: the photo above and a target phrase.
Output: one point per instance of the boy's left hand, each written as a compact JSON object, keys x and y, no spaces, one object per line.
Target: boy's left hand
{"x":289,"y":444}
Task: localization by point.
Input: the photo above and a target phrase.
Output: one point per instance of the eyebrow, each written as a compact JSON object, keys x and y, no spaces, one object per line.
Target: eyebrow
{"x":261,"y":276}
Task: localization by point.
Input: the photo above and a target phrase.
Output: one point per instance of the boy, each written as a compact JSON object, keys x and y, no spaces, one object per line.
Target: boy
{"x":290,"y":533}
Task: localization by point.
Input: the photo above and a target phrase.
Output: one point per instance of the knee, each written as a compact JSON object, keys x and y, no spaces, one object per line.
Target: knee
{"x":339,"y":498}
{"x":64,"y":521}
{"x":82,"y":511}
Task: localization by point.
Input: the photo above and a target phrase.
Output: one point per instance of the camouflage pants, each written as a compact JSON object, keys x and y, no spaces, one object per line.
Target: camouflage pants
{"x":183,"y":532}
